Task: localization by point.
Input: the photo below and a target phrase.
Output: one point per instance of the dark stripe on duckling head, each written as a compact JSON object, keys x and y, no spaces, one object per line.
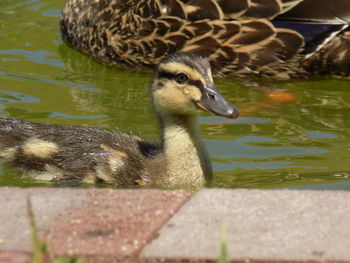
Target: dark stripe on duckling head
{"x":195,"y":66}
{"x":172,"y":76}
{"x":166,"y":75}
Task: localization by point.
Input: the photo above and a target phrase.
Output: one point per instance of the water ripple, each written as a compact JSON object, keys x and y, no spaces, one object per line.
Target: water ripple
{"x":37,"y":56}
{"x":11,"y":96}
{"x":238,"y":149}
{"x":15,"y":76}
{"x":69,"y":116}
{"x":257,"y":165}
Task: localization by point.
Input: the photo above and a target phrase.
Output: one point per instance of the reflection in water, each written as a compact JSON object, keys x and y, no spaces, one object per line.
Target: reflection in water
{"x":291,"y":134}
{"x":11,"y":96}
{"x":37,"y":56}
{"x":243,"y":148}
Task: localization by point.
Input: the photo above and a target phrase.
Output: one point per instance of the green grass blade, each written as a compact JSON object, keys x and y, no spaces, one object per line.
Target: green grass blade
{"x":223,"y":257}
{"x":39,"y":247}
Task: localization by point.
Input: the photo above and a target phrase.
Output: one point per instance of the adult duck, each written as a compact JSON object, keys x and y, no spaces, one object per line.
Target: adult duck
{"x":275,"y":38}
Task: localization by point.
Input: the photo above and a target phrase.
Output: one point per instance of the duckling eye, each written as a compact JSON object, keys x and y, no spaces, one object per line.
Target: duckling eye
{"x":181,"y":78}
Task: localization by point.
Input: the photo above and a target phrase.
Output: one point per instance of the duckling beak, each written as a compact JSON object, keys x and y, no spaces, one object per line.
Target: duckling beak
{"x":212,"y":101}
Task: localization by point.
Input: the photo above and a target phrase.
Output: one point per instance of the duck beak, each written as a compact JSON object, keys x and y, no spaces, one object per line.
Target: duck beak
{"x":212,"y":101}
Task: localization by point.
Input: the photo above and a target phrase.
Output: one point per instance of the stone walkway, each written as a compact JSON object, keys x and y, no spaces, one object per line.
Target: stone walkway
{"x":104,"y":225}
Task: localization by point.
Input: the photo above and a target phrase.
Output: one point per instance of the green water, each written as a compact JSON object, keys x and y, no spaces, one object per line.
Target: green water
{"x":303,"y":142}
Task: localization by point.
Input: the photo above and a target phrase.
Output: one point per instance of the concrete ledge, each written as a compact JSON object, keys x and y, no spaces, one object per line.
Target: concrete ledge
{"x":14,"y":257}
{"x":100,"y":225}
{"x":111,"y":225}
{"x":262,"y":226}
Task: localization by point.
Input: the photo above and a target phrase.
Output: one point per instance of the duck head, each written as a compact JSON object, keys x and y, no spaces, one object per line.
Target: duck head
{"x":184,"y":84}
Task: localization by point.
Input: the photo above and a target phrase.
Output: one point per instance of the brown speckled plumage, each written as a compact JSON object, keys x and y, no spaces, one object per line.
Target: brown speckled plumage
{"x":239,"y":37}
{"x":75,"y":154}
{"x":80,"y":150}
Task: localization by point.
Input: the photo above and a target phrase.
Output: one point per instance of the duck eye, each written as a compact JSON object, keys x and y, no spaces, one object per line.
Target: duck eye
{"x":181,"y":78}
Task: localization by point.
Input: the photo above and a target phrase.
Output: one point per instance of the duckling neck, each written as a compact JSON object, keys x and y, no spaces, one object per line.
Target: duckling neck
{"x":186,"y":157}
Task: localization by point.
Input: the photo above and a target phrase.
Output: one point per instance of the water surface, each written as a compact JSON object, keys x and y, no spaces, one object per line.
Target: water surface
{"x":290,"y":134}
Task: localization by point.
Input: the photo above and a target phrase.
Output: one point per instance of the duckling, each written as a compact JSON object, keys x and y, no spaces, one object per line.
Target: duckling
{"x":182,"y":85}
{"x":274,"y":38}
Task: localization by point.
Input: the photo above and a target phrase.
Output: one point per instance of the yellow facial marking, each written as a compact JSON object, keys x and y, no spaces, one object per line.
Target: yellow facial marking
{"x":173,"y":100}
{"x":40,"y":148}
{"x":193,"y":92}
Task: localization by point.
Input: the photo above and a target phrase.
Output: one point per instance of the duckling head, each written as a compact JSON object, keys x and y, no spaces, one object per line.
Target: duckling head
{"x":184,"y":83}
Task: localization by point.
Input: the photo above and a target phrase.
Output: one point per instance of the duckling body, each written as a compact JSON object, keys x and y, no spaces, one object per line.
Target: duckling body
{"x":67,"y":153}
{"x":76,"y":154}
{"x":275,"y":38}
